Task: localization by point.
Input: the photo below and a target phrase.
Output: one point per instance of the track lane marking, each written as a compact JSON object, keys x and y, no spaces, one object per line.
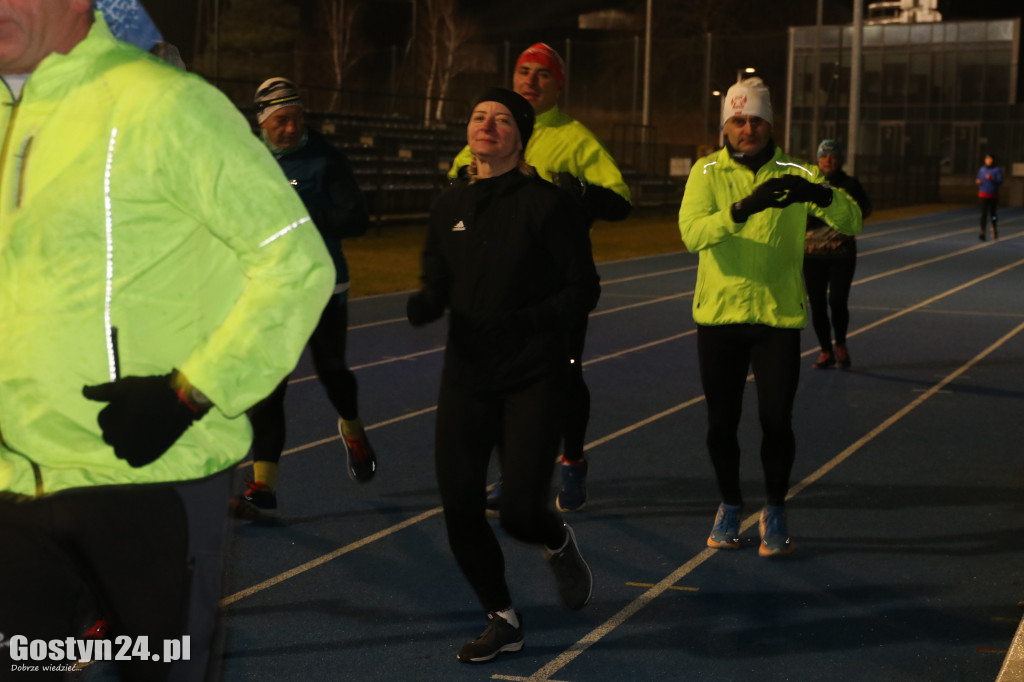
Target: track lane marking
{"x":566,"y":657}
{"x":661,"y":586}
{"x":672,"y":297}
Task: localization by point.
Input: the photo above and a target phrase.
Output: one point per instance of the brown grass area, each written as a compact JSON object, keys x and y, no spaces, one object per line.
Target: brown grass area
{"x":388,"y":259}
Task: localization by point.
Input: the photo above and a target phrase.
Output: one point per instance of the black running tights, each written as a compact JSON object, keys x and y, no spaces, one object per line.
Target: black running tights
{"x":527,"y":426}
{"x":828,"y":282}
{"x":327,"y":346}
{"x":577,"y":409}
{"x":725,"y":354}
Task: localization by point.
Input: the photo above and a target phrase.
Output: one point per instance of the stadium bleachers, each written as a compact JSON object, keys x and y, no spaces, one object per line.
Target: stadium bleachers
{"x":402,"y":164}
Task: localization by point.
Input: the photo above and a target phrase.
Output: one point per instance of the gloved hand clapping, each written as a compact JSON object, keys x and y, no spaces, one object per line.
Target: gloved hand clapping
{"x":144,"y":417}
{"x":779,"y":193}
{"x":772,"y":193}
{"x":805,"y":191}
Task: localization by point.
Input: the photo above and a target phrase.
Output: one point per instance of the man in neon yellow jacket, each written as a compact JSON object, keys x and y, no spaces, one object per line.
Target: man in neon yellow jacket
{"x":158,"y":276}
{"x":744,"y":211}
{"x":564,"y":152}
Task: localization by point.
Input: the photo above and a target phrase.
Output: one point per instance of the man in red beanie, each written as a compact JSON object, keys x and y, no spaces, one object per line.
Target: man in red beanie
{"x":565,"y":152}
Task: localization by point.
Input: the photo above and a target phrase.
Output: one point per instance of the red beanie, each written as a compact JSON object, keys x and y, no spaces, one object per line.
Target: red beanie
{"x":542,"y":54}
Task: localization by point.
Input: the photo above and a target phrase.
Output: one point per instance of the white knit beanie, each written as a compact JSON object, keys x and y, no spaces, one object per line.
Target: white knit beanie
{"x":749,"y":97}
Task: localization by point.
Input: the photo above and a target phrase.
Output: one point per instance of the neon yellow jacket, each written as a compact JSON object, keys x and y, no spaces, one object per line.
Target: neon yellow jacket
{"x":133,"y":196}
{"x":750,"y":273}
{"x":561,"y":144}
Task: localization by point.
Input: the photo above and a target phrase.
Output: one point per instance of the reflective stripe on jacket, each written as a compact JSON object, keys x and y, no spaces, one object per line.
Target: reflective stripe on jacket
{"x":134,"y":198}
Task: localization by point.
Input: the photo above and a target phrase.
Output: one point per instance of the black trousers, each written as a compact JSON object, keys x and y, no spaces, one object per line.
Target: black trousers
{"x":577,"y":408}
{"x":327,"y":346}
{"x":148,"y":559}
{"x":989,"y":206}
{"x":828,"y":282}
{"x":725,"y":354}
{"x":526,"y":425}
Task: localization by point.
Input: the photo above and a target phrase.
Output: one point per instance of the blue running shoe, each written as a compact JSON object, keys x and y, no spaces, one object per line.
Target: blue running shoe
{"x":725,"y":534}
{"x":775,"y":538}
{"x":493,"y":508}
{"x":573,"y":495}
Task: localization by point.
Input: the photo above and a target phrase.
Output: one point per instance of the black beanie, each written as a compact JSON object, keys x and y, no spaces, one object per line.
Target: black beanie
{"x":522,"y":111}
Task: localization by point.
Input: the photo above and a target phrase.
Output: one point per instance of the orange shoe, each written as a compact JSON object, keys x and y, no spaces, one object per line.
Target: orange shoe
{"x":826,"y":360}
{"x":842,"y":356}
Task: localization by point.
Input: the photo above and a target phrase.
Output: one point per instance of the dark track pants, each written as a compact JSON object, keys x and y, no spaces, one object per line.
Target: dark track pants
{"x":989,"y":207}
{"x":327,"y":346}
{"x":527,"y":427}
{"x":828,"y":282}
{"x":146,"y":558}
{"x":577,"y":409}
{"x":726,"y":353}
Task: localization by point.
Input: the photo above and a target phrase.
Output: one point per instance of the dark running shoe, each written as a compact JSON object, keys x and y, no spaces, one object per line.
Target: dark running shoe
{"x":362,"y":460}
{"x":260,"y":495}
{"x":499,"y":637}
{"x":573,"y":494}
{"x":572,"y":574}
{"x":256,"y":502}
{"x":493,"y":507}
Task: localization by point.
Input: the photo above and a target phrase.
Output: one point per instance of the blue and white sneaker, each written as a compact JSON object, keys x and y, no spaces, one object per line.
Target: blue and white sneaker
{"x":775,"y":538}
{"x":725,"y":534}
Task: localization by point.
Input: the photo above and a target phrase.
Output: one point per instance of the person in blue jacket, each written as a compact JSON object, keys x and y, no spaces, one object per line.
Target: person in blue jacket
{"x":988,"y":180}
{"x":322,"y":176}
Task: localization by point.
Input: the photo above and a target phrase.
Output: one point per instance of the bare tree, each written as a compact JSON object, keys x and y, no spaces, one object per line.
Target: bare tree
{"x":446,"y":35}
{"x":341,"y":16}
{"x":457,"y":33}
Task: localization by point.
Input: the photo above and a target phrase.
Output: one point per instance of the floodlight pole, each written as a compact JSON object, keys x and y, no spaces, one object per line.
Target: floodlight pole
{"x":816,"y":78}
{"x":647,"y":66}
{"x":851,"y":136}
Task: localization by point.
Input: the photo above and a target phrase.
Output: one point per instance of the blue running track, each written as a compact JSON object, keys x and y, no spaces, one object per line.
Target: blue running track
{"x":906,"y":509}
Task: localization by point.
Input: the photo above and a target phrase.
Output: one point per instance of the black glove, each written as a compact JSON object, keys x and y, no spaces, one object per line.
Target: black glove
{"x":421,"y":309}
{"x":806,"y":191}
{"x":144,"y":418}
{"x":774,"y":193}
{"x":570,"y":183}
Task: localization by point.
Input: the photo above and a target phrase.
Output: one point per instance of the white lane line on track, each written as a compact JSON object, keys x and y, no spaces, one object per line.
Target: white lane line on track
{"x":671,"y":297}
{"x":856,"y":332}
{"x":566,"y":657}
{"x":302,"y":568}
{"x":600,"y":441}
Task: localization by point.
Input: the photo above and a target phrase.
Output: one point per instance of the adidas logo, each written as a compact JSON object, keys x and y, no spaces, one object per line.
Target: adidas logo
{"x":459,"y":227}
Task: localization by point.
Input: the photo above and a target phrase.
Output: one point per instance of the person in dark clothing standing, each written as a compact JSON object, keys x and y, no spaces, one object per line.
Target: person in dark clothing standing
{"x":989,"y":179}
{"x":322,"y":176}
{"x":508,"y":255}
{"x":830,"y":258}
